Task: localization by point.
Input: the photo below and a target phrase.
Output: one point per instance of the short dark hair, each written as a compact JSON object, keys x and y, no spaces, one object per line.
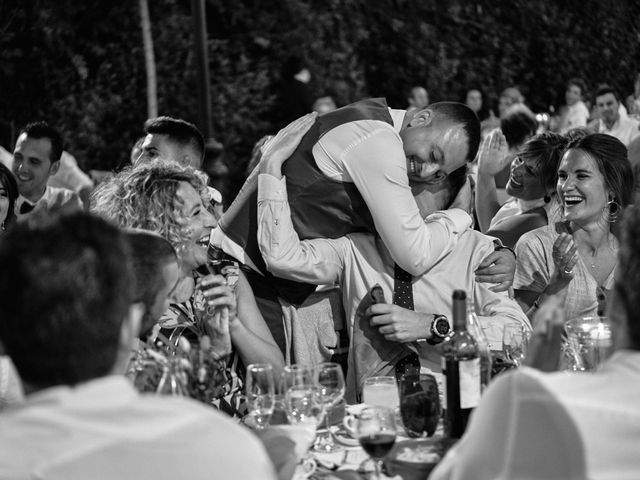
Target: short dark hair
{"x":610,"y":156}
{"x":178,"y":130}
{"x":627,"y":284}
{"x":149,"y":254}
{"x":8,"y":181}
{"x":518,"y":125}
{"x":604,"y":89}
{"x":578,"y":83}
{"x":546,"y":150}
{"x":39,"y":130}
{"x":460,"y":113}
{"x":65,"y":285}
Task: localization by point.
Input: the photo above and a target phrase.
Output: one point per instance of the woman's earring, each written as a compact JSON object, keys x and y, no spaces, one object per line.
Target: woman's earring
{"x":612,"y":211}
{"x":547,"y":198}
{"x":2,"y":225}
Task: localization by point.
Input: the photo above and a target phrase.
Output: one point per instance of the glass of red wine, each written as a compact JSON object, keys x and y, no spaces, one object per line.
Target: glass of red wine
{"x":376,"y":432}
{"x":419,"y":404}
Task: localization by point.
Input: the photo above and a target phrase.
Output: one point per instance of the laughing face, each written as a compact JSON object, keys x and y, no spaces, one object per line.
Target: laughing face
{"x":581,"y":188}
{"x":199,"y":223}
{"x":434,"y":147}
{"x":524,"y":181}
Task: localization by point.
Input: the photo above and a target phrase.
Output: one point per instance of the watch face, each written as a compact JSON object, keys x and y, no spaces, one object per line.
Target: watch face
{"x":441,"y":326}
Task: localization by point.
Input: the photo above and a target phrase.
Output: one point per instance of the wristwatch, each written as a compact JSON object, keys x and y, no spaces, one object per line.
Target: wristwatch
{"x":439,"y":329}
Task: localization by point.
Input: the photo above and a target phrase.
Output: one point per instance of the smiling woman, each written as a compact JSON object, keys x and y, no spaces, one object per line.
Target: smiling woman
{"x":576,"y":258}
{"x":169,"y":199}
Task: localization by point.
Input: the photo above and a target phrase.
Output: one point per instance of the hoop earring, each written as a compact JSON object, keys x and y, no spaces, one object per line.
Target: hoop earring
{"x":2,"y":226}
{"x":612,"y":211}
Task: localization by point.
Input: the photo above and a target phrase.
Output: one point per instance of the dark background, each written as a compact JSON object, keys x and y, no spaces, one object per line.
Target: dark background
{"x":80,"y":64}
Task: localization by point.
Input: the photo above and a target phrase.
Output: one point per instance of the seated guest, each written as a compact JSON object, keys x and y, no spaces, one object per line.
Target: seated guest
{"x":156,"y":271}
{"x":8,"y":198}
{"x":531,"y":185}
{"x":168,"y":199}
{"x":174,"y":139}
{"x":68,"y":323}
{"x":611,"y":121}
{"x":36,"y":158}
{"x":531,"y":424}
{"x":575,"y":259}
{"x":359,"y":261}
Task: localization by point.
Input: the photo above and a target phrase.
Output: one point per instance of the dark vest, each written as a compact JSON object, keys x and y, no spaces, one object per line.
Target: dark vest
{"x":320,"y":207}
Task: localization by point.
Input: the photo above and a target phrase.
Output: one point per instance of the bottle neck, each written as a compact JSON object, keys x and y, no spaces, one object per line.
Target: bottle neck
{"x":459,"y":315}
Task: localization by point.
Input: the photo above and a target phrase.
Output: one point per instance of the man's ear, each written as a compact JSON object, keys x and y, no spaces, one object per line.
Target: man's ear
{"x":436,"y":178}
{"x":53,"y":169}
{"x":421,"y":118}
{"x":130,"y":328}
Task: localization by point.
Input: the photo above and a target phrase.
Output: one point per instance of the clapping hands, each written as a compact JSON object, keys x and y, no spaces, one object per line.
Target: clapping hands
{"x":492,"y":156}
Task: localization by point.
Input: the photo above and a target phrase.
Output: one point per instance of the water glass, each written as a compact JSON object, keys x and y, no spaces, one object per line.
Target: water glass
{"x":260,"y":393}
{"x":515,"y":342}
{"x":382,"y":391}
{"x":302,"y":405}
{"x":296,"y":375}
{"x":587,"y":344}
{"x":419,"y":404}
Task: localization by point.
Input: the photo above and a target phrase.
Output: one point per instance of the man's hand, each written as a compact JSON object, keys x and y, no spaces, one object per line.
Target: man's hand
{"x":492,"y":156}
{"x":282,"y":146}
{"x":399,"y":324}
{"x":498,"y":267}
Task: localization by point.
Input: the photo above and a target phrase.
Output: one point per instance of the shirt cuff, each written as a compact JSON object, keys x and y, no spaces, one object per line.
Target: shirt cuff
{"x":272,"y":188}
{"x":460,"y":219}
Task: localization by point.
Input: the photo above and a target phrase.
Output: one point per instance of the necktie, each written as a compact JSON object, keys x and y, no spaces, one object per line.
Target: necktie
{"x":26,"y":207}
{"x":403,"y":297}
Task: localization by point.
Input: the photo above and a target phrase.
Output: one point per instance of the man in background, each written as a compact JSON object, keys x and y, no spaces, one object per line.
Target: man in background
{"x":36,"y":158}
{"x":611,"y":121}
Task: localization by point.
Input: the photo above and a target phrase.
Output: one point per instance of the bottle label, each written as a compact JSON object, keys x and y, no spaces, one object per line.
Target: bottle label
{"x":469,"y":383}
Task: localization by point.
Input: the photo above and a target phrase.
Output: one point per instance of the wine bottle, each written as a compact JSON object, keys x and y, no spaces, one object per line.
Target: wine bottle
{"x":484,"y":348}
{"x":461,"y":367}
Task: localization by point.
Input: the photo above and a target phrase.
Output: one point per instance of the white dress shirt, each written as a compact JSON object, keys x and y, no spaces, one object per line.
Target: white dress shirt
{"x":534,"y":425}
{"x":624,"y":129}
{"x":104,"y":429}
{"x":359,"y":261}
{"x":369,"y":154}
{"x":53,"y":198}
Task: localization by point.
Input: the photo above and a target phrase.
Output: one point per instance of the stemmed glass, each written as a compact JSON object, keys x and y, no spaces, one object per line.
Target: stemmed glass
{"x":419,"y":403}
{"x":376,"y":432}
{"x":260,"y":393}
{"x":515,"y":342}
{"x":330,"y":384}
{"x":294,"y":375}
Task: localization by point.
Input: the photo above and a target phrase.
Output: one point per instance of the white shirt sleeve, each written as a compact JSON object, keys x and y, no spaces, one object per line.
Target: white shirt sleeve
{"x":315,"y":261}
{"x":374,"y":161}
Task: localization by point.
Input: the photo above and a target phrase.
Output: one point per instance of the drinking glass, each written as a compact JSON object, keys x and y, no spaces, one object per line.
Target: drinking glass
{"x":515,"y":342}
{"x":260,"y":393}
{"x":382,"y":391}
{"x":419,"y":404}
{"x":376,"y":432}
{"x":293,"y":375}
{"x":302,"y":405}
{"x":330,"y":383}
{"x":587,"y":344}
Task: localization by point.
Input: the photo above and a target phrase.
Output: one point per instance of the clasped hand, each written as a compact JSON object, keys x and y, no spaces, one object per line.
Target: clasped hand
{"x":398,"y":324}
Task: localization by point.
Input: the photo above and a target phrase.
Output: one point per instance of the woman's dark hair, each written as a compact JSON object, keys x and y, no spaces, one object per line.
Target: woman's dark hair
{"x":628,"y":273}
{"x":610,"y":156}
{"x":518,"y":125}
{"x":8,"y":181}
{"x":546,"y":149}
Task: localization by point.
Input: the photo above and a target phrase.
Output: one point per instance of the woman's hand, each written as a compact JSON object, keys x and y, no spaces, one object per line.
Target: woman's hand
{"x":498,"y":267}
{"x":565,"y":257}
{"x":219,"y":311}
{"x":492,"y":156}
{"x":282,"y":146}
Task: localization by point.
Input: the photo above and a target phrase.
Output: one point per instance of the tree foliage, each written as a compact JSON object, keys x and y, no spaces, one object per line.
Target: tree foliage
{"x":81,"y":64}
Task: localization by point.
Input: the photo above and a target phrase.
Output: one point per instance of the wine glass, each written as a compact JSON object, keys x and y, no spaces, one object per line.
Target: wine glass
{"x":302,"y":405}
{"x":260,"y":393}
{"x":419,"y":404}
{"x":293,"y":375}
{"x":330,"y":384}
{"x":376,"y":432}
{"x":515,"y":341}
